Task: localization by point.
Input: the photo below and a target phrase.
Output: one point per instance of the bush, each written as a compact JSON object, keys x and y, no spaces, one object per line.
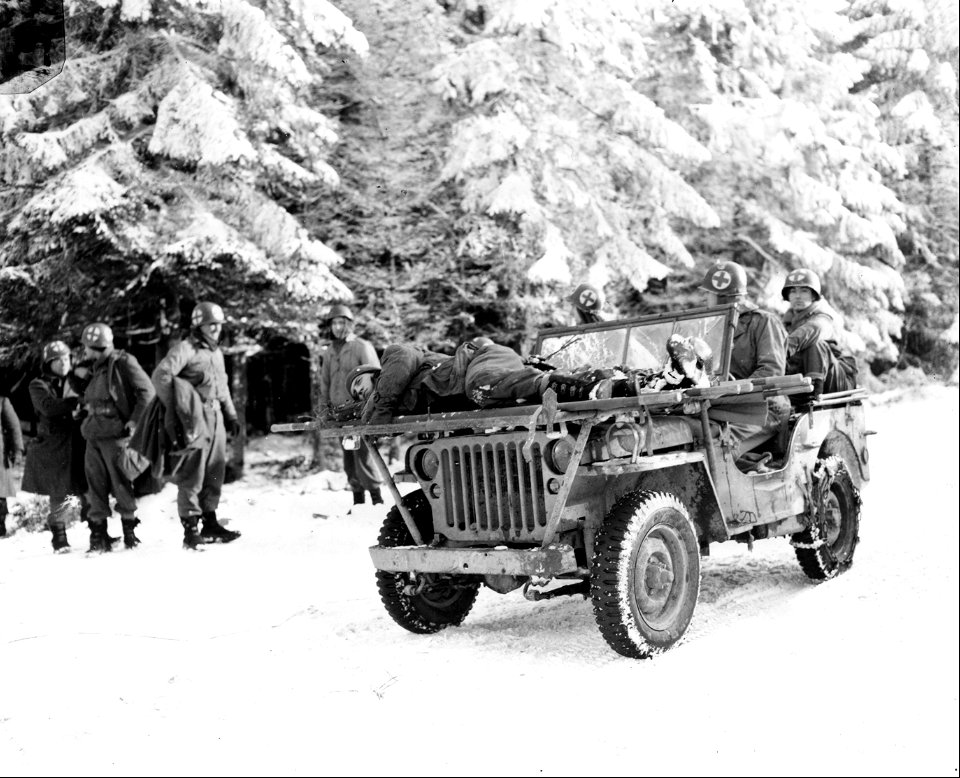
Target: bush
{"x":29,"y":512}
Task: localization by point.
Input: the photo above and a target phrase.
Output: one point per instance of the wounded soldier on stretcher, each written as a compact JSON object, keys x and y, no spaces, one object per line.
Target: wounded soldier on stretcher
{"x":484,"y":374}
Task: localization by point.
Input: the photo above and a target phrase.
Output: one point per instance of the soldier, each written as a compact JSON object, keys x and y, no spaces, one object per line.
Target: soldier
{"x":54,"y":465}
{"x":345,"y":353}
{"x":207,"y":414}
{"x":114,"y":400}
{"x":759,"y":347}
{"x":11,"y":452}
{"x":812,"y":347}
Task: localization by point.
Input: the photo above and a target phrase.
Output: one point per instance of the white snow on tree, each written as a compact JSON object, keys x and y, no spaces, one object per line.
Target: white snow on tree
{"x":164,"y":148}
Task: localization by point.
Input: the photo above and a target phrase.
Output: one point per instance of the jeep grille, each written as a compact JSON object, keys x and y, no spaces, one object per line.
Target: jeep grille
{"x":491,"y":489}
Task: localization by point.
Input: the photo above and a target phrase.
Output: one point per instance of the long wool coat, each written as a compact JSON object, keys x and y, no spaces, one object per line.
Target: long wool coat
{"x":55,"y":459}
{"x":11,"y":442}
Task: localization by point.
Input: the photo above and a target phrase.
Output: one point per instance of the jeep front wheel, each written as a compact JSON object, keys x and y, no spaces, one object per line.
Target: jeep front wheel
{"x":421,"y":602}
{"x":645,"y":576}
{"x":826,"y":547}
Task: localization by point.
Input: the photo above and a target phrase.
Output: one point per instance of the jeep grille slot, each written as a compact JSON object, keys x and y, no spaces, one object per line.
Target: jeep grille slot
{"x":491,"y":488}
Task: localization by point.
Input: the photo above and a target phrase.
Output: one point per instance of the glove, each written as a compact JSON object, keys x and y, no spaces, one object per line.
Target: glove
{"x":232,"y":425}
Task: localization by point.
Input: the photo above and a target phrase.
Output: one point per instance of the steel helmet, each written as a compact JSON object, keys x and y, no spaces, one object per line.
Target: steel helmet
{"x":725,"y":279}
{"x":802,"y":277}
{"x":587,"y":298}
{"x":97,"y":335}
{"x":337,"y":311}
{"x":55,"y":349}
{"x":206,"y":313}
{"x":479,"y":342}
{"x":357,"y":385}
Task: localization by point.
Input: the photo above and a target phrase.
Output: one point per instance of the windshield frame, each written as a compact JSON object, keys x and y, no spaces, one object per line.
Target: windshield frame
{"x":729,"y":310}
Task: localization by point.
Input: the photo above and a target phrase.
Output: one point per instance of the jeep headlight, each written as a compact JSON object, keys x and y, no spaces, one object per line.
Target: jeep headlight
{"x":426,"y":464}
{"x":559,"y":453}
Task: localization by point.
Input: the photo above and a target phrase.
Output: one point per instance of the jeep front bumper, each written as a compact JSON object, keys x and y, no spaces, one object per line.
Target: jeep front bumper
{"x":556,"y":559}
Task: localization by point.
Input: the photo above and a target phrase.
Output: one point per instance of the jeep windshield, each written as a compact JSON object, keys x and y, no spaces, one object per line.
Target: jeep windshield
{"x":638,"y":343}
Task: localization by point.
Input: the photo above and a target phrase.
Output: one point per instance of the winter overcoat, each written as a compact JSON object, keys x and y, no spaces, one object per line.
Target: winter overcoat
{"x":54,"y":463}
{"x":11,"y":447}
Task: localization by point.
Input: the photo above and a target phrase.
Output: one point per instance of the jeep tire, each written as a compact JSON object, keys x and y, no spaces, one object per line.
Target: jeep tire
{"x":441,"y":600}
{"x":645,"y":575}
{"x":825,"y":549}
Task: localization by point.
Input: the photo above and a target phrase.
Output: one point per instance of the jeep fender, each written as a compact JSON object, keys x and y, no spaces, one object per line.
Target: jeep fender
{"x":691,"y":483}
{"x":840,"y":444}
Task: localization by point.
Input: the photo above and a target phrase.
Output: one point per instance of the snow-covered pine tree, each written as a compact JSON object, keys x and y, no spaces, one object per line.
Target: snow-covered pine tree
{"x":157,"y":166}
{"x":912,"y":51}
{"x":803,"y":173}
{"x":558,"y":147}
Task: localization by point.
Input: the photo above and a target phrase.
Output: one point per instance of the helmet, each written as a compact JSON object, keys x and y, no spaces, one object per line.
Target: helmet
{"x":97,"y":335}
{"x":206,"y":313}
{"x":480,"y":341}
{"x":337,"y":311}
{"x":54,"y":350}
{"x":725,"y":279}
{"x":802,"y":277}
{"x":587,"y":298}
{"x":358,"y":386}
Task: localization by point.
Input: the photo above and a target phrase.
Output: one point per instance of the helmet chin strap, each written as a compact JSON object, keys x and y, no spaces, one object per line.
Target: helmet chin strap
{"x":211,"y":342}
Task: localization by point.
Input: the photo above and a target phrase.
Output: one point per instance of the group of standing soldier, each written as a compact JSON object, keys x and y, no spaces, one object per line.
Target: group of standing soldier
{"x":102,"y":421}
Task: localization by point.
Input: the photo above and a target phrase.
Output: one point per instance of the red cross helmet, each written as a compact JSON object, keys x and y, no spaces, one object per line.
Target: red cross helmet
{"x":587,"y":298}
{"x":55,"y":349}
{"x":802,"y":277}
{"x":206,"y":313}
{"x":725,"y":279}
{"x":97,"y":335}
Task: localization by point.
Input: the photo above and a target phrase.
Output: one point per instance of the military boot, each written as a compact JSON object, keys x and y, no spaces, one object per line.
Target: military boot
{"x":571,"y":388}
{"x":60,"y":543}
{"x":191,"y":535}
{"x":130,"y":540}
{"x":375,"y":497}
{"x":99,"y":539}
{"x":214,"y":531}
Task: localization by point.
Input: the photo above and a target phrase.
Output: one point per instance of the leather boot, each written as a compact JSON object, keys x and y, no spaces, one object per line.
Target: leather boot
{"x":214,"y":532}
{"x":191,"y":535}
{"x":60,"y":543}
{"x":359,"y":498}
{"x":99,"y":539}
{"x":130,"y":540}
{"x":375,"y":497}
{"x":577,"y":388}
{"x":3,"y":518}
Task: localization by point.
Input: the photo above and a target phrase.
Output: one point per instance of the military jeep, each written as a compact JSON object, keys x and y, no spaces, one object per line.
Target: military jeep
{"x":614,"y":499}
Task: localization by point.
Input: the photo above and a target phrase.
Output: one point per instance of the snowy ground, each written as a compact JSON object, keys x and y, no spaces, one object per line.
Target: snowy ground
{"x":273,"y":655}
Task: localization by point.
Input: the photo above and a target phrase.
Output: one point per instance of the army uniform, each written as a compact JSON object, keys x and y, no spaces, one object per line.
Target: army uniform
{"x":54,"y":464}
{"x":345,"y":354}
{"x":11,"y":451}
{"x":812,"y":349}
{"x":114,"y":400}
{"x":203,"y":462}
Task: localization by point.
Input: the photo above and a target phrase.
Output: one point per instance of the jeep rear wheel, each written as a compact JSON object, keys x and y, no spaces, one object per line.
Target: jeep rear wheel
{"x":825,"y":549}
{"x":645,"y":576}
{"x":421,"y":602}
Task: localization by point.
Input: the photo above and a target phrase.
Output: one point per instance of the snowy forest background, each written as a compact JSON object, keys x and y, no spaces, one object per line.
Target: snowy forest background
{"x":454,"y":167}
